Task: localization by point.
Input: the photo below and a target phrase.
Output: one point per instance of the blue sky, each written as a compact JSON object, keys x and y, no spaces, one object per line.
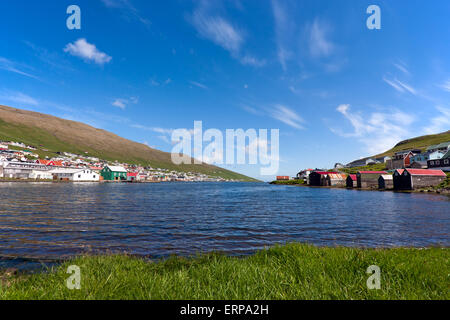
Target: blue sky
{"x":336,"y":90}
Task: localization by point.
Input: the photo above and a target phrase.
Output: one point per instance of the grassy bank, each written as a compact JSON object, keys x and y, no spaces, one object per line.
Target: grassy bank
{"x":289,"y":182}
{"x":293,"y":271}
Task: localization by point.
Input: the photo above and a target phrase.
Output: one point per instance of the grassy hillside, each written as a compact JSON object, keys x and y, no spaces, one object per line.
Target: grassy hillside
{"x":418,"y":143}
{"x":421,"y":143}
{"x":55,"y":134}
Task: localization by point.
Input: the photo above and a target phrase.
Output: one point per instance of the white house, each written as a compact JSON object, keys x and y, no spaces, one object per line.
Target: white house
{"x":436,"y":155}
{"x":41,"y":175}
{"x":73,"y":174}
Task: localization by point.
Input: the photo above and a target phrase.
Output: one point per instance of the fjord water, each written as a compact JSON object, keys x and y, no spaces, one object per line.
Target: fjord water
{"x":53,"y":221}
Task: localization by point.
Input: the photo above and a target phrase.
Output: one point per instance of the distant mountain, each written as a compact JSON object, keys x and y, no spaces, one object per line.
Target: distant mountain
{"x":52,"y":134}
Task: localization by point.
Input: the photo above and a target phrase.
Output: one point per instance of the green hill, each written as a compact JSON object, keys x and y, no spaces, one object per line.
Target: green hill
{"x":51,"y":134}
{"x":421,"y":143}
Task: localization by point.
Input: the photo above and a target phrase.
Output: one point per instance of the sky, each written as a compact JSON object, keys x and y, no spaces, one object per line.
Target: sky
{"x":336,"y":90}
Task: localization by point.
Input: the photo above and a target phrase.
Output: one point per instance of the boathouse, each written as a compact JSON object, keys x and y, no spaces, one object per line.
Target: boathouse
{"x":397,"y":178}
{"x":386,"y":182}
{"x":351,"y":181}
{"x":412,"y":179}
{"x":335,"y":180}
{"x":318,"y":178}
{"x":368,"y":179}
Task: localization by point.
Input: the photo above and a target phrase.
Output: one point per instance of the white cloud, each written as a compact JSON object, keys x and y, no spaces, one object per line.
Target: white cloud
{"x":165,"y":139}
{"x":319,"y":45}
{"x":377,"y":131}
{"x":11,"y":66}
{"x":222,"y":32}
{"x":218,"y":30}
{"x":153,"y":129}
{"x":439,"y":123}
{"x":89,"y":52}
{"x":287,"y":116}
{"x":18,"y":97}
{"x":284,"y":26}
{"x":127,"y":9}
{"x":252,"y":61}
{"x":402,"y":67}
{"x":446,"y":86}
{"x":198,"y":84}
{"x":123,"y":103}
{"x":400,"y":86}
{"x":156,"y":83}
{"x":120,"y":103}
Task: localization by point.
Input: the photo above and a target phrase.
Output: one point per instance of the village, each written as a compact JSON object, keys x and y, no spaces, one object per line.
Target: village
{"x":409,"y":169}
{"x":20,"y":162}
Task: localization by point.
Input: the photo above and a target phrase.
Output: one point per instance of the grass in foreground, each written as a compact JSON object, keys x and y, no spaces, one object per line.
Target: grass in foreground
{"x":294,"y":271}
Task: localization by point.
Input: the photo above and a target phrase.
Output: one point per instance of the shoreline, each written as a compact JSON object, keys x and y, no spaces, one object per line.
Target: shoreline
{"x":428,"y":191}
{"x":291,"y":271}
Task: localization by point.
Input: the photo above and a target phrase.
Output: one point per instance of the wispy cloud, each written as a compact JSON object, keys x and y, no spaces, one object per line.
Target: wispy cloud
{"x":400,"y":86}
{"x":53,"y":59}
{"x":153,"y":129}
{"x":216,"y":28}
{"x":319,"y":44}
{"x":18,"y":97}
{"x":128,"y":10}
{"x":11,"y":66}
{"x":378,"y":131}
{"x":446,"y":86}
{"x":123,"y":103}
{"x":402,"y":67}
{"x":87,"y":51}
{"x":284,"y":26}
{"x":287,"y":116}
{"x":440,"y":123}
{"x":198,"y":84}
{"x":156,"y":83}
{"x":249,"y":60}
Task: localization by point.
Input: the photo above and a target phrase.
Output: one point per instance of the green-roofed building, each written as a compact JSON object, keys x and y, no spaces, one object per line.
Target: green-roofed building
{"x":444,"y":147}
{"x":441,"y":164}
{"x":114,"y":173}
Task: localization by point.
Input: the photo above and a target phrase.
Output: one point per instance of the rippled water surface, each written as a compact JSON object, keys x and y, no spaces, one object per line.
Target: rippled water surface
{"x":51,"y":221}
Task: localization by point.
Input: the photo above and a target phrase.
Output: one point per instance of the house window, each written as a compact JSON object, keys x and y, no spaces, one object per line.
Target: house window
{"x":79,"y":176}
{"x":445,"y":161}
{"x":431,"y":162}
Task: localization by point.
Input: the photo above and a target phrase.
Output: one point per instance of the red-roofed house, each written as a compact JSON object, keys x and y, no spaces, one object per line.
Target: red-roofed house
{"x":58,"y":163}
{"x":45,"y":162}
{"x":132,"y":176}
{"x":368,"y":179}
{"x":50,"y":163}
{"x":411,"y":179}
